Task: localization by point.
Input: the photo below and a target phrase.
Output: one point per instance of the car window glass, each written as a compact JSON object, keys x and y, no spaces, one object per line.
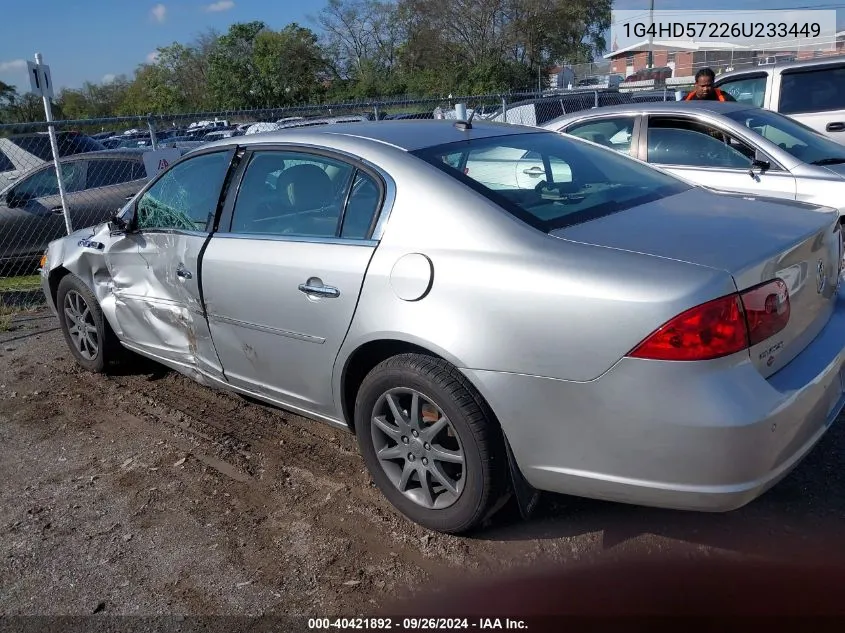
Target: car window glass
{"x":362,"y":206}
{"x":186,"y":196}
{"x":750,"y":90}
{"x":5,"y":163}
{"x":44,"y":182}
{"x":689,"y":143}
{"x":793,"y":137}
{"x":102,"y":173}
{"x":550,"y":181}
{"x":614,"y":133}
{"x":812,"y":91}
{"x":291,"y":193}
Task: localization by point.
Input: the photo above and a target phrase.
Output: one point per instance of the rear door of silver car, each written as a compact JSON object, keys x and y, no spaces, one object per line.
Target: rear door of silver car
{"x":282,"y":276}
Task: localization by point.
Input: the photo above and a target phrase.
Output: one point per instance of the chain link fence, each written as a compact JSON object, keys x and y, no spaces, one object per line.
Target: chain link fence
{"x":105,"y":162}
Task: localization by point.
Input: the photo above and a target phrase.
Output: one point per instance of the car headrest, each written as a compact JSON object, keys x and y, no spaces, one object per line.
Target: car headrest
{"x":306,"y":186}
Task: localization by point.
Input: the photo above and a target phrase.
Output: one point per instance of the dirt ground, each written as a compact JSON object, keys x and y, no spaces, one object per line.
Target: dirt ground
{"x":144,"y":493}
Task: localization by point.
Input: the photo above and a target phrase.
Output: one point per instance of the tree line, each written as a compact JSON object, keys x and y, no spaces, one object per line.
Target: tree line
{"x":365,"y":49}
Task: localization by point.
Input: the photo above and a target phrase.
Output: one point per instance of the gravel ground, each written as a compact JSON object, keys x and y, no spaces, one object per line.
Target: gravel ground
{"x":145,"y":493}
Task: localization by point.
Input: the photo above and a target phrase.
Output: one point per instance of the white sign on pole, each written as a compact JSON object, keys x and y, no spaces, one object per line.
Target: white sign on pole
{"x":160,"y":159}
{"x":40,"y":79}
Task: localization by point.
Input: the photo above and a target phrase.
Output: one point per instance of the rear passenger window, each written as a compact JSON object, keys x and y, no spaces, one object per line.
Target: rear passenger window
{"x":291,"y":193}
{"x":102,"y":173}
{"x":614,"y":133}
{"x":750,"y":90}
{"x":361,"y":208}
{"x":812,"y":91}
{"x":5,"y":163}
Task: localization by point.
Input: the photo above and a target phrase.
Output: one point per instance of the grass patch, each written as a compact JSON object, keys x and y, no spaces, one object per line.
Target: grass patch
{"x":28,"y":282}
{"x":6,"y":314}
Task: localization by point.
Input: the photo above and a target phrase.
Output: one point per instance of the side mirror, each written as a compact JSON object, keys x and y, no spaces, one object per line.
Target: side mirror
{"x":760,"y":162}
{"x":117,"y":225}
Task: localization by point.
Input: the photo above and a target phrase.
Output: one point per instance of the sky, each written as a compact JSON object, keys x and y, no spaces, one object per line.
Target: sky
{"x":93,"y":40}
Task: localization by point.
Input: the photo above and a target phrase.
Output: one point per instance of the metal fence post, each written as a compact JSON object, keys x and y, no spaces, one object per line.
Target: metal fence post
{"x":375,"y":111}
{"x":152,"y":128}
{"x":595,"y":98}
{"x":504,"y":109}
{"x":54,"y":146}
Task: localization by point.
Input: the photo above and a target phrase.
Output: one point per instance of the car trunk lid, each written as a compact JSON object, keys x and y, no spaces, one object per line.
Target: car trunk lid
{"x":756,"y":243}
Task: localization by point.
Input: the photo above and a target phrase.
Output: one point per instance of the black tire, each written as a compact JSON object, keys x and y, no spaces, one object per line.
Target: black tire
{"x":485,"y":472}
{"x":108,"y":346}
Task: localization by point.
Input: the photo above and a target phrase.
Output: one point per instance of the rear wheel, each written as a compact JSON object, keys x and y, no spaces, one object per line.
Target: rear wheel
{"x":87,"y":333}
{"x":430,"y":442}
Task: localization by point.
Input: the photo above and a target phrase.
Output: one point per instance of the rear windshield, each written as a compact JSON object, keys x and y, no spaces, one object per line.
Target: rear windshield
{"x":39,"y":144}
{"x":550,"y":181}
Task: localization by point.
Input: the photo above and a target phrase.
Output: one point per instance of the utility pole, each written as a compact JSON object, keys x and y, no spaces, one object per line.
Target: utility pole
{"x":650,"y":62}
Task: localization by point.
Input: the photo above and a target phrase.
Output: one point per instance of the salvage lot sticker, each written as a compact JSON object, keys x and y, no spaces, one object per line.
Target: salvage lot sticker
{"x":160,"y":159}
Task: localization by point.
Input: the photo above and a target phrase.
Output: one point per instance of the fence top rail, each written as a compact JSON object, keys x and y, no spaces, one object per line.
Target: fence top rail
{"x":151,"y":118}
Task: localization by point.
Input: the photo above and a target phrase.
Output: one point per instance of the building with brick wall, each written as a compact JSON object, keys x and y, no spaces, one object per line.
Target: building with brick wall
{"x":687,"y":57}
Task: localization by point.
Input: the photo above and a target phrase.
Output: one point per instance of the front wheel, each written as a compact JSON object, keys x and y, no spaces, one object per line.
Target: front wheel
{"x":430,"y":442}
{"x":87,"y":333}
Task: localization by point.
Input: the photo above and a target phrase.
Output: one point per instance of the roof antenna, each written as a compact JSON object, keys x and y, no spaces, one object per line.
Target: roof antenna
{"x":465,"y":125}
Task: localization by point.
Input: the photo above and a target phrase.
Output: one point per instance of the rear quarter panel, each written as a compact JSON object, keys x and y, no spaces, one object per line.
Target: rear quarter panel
{"x":506,"y":297}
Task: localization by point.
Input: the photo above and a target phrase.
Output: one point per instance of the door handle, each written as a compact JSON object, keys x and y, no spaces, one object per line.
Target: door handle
{"x":129,"y":197}
{"x":57,"y":211}
{"x":319,"y":291}
{"x":836,"y":126}
{"x":534,"y":171}
{"x":184,"y":273}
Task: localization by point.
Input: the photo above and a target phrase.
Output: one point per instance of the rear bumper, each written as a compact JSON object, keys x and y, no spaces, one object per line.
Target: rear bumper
{"x":706,"y":436}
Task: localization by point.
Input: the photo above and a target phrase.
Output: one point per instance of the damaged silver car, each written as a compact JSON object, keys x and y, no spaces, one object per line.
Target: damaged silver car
{"x":491,"y":309}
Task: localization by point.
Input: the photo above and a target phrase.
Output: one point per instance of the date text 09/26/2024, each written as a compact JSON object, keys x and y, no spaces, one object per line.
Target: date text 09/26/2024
{"x":415,"y":624}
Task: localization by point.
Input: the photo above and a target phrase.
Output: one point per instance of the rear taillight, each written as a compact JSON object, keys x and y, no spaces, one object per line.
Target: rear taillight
{"x":720,"y":327}
{"x":713,"y":329}
{"x":766,"y":310}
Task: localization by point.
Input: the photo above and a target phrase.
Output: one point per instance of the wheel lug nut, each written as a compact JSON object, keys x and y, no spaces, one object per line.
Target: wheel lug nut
{"x":411,"y":457}
{"x":415,"y":433}
{"x":425,"y":461}
{"x":404,"y":440}
{"x":427,"y":446}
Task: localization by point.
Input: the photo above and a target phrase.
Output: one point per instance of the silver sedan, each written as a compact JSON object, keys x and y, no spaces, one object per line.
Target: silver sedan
{"x":730,"y":146}
{"x":605,"y":330}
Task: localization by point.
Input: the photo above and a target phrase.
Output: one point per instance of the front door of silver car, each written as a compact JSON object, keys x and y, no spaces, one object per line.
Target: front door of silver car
{"x":154,"y":268}
{"x":281,"y":278}
{"x":712,"y":157}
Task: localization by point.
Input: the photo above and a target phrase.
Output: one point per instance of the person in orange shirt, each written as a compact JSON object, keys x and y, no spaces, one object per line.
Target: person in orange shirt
{"x":704,"y":90}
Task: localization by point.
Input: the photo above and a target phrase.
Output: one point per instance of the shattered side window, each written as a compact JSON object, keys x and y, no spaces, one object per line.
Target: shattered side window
{"x":186,"y":196}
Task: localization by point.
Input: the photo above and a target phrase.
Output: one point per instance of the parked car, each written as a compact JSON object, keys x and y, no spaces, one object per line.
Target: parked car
{"x":809,"y":91}
{"x":658,"y":75}
{"x":617,"y":333}
{"x":96,"y":185}
{"x":22,"y":152}
{"x":730,"y":146}
{"x":540,"y":111}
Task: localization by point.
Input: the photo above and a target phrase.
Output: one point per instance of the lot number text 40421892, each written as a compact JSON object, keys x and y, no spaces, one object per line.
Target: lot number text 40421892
{"x":416,"y":624}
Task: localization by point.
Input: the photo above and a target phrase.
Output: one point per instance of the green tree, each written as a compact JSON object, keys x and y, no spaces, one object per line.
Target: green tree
{"x":289,"y":65}
{"x":232,"y":73}
{"x":152,"y":90}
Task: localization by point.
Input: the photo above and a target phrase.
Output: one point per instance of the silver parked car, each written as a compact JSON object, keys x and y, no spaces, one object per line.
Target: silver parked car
{"x":604,"y":330}
{"x":730,"y":146}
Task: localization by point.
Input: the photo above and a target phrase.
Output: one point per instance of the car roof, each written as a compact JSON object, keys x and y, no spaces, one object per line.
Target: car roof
{"x":408,"y":134}
{"x":661,"y":107}
{"x":779,"y":66}
{"x":119,"y":152}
